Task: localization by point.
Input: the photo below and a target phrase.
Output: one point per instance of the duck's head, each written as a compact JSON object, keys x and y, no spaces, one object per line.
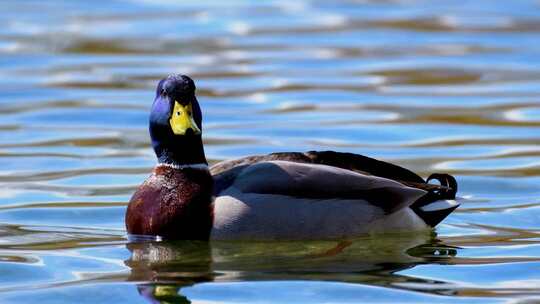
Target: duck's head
{"x":176,"y":122}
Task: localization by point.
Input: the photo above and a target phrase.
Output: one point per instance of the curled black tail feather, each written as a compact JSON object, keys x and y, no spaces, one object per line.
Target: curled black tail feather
{"x":449,"y":185}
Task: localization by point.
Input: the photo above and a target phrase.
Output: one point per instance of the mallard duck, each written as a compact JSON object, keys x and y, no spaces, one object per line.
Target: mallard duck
{"x":280,"y":196}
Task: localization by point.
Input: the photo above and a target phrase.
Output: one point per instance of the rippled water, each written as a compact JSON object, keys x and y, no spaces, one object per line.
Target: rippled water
{"x":445,"y":86}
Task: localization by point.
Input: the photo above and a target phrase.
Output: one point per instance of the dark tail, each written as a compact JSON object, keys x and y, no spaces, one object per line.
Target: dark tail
{"x":438,"y":203}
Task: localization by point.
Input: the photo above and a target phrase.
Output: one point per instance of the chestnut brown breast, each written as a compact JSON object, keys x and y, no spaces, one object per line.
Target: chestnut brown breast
{"x":172,"y":203}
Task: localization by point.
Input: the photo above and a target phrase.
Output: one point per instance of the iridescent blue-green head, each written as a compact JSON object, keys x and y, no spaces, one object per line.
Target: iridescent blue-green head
{"x":176,"y":122}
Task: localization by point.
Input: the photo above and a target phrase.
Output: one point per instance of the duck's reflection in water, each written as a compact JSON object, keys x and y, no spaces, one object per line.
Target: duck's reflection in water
{"x":166,"y":267}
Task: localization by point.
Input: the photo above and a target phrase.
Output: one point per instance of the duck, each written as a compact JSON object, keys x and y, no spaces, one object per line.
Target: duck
{"x":278,"y":196}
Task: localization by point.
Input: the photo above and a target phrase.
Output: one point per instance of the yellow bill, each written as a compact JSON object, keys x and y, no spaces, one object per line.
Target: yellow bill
{"x":182,"y":119}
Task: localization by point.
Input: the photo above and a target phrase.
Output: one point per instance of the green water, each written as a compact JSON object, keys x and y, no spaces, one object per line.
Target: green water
{"x":433,"y":86}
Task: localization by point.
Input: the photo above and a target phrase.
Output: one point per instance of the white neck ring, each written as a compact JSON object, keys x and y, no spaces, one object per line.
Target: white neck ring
{"x":200,"y":166}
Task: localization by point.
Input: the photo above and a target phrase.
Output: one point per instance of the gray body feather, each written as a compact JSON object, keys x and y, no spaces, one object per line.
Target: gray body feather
{"x":290,"y":200}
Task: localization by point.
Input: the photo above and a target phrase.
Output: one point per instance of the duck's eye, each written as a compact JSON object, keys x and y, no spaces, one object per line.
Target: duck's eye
{"x":189,"y":113}
{"x":178,"y":113}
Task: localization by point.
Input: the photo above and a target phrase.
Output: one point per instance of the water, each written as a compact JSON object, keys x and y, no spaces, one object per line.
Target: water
{"x":445,"y":86}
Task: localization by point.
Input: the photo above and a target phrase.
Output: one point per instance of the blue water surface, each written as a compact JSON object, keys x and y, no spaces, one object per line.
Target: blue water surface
{"x":446,"y":86}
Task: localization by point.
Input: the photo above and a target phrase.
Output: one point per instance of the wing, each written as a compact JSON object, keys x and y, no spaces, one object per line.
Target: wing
{"x":348,"y":161}
{"x":364,"y":164}
{"x":447,"y":189}
{"x":318,"y":182}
